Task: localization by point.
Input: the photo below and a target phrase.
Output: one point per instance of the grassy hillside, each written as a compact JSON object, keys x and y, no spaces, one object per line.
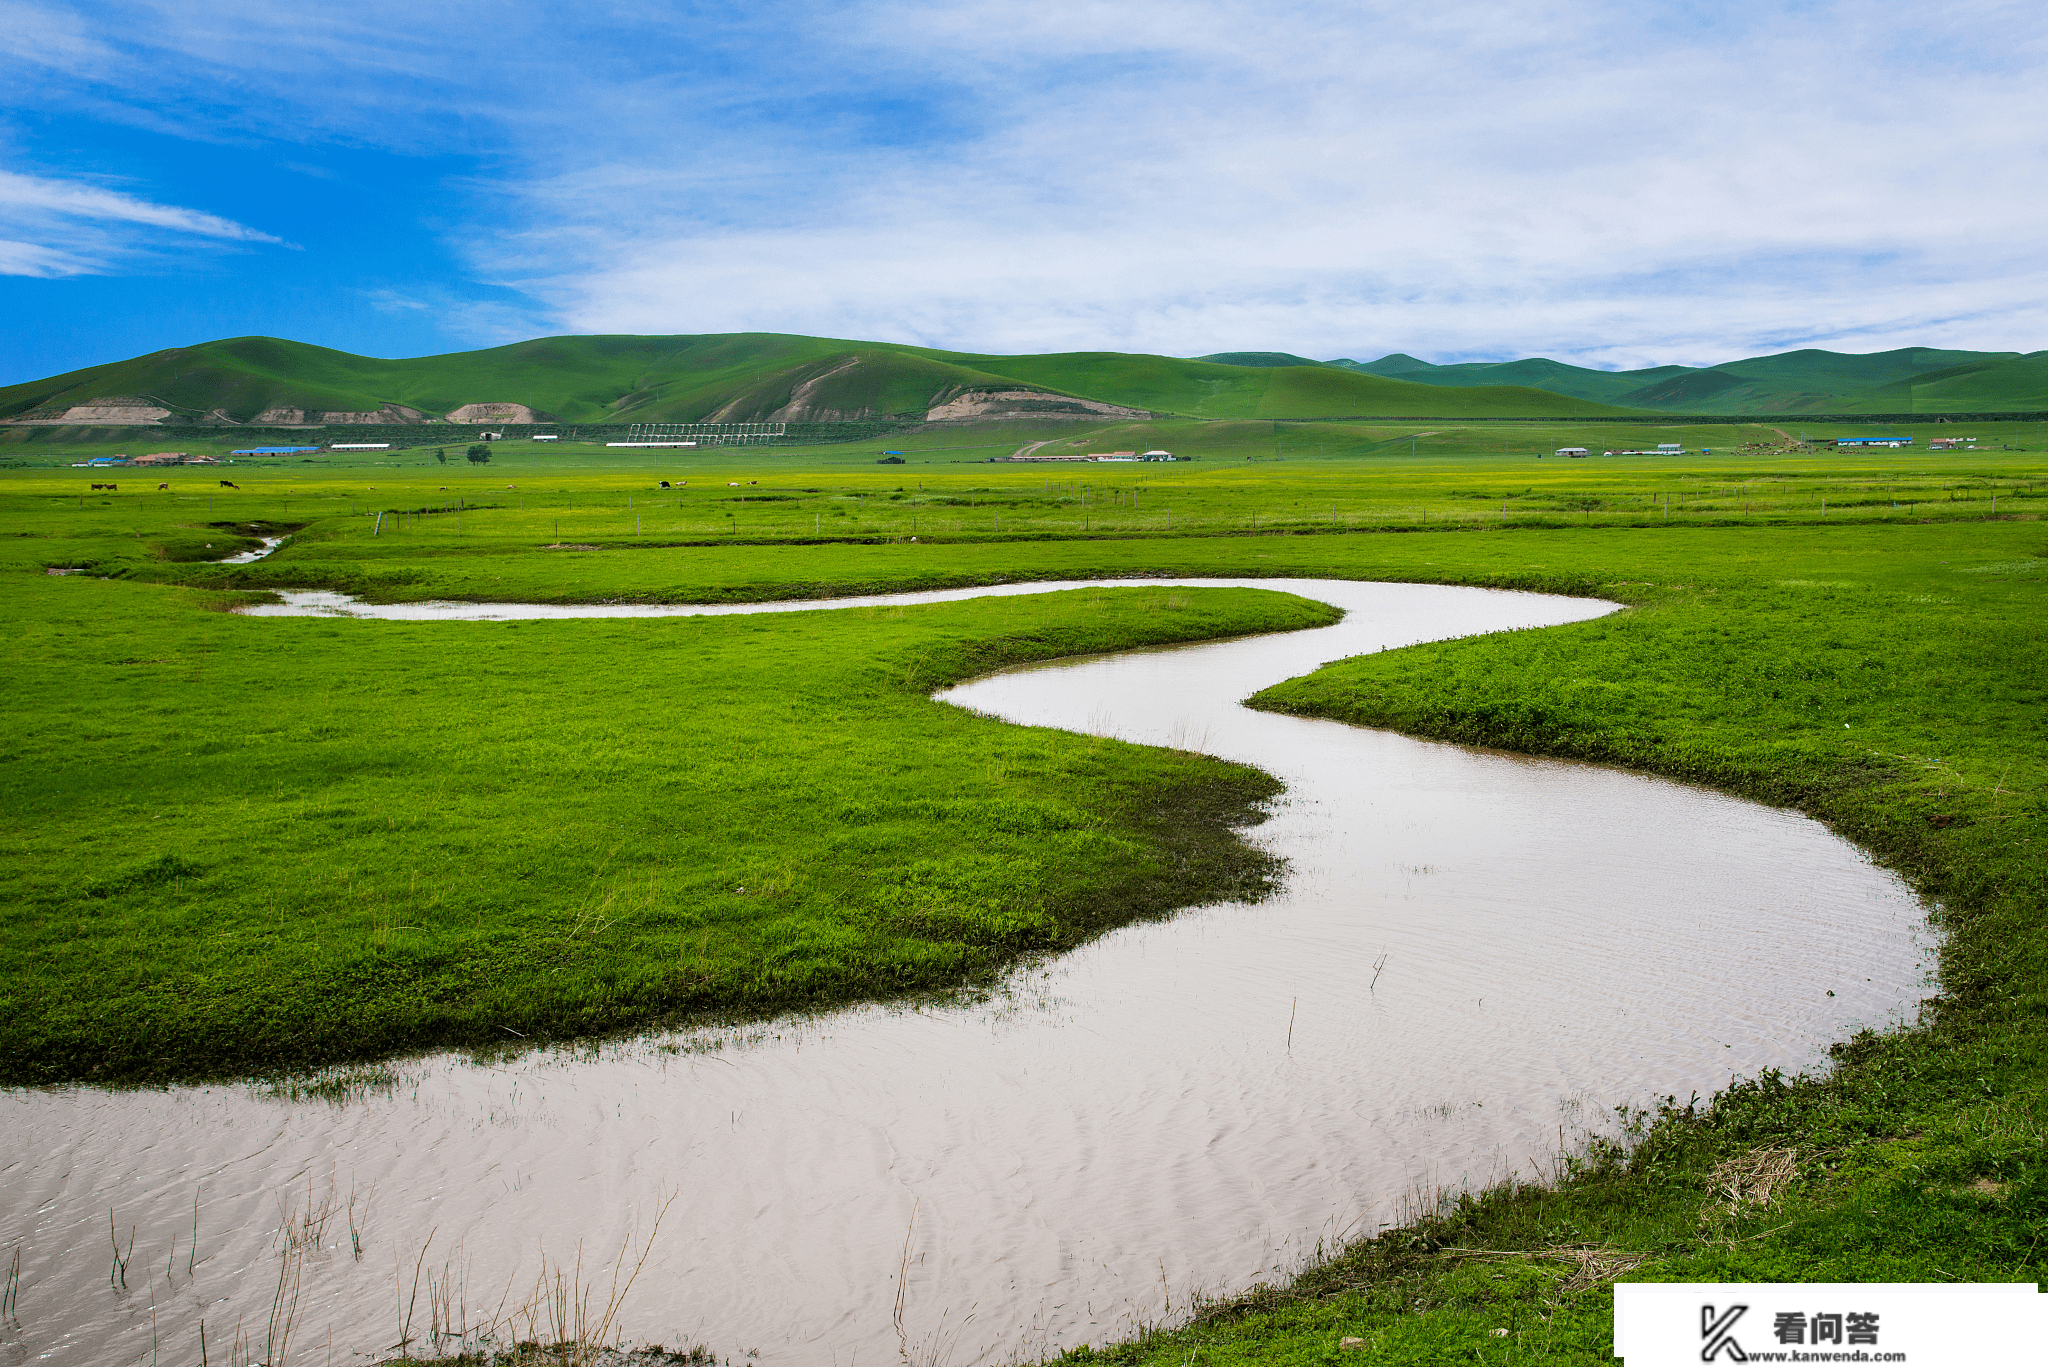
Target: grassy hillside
{"x":732,"y":377}
{"x":1260,"y":358}
{"x":2018,"y":383}
{"x":765,"y":376}
{"x":1906,"y":380}
{"x":1203,"y":389}
{"x":1816,"y":381}
{"x":1580,"y":382}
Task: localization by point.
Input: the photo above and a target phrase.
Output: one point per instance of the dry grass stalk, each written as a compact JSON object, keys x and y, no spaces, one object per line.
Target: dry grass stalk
{"x":560,"y":1316}
{"x":1754,"y":1178}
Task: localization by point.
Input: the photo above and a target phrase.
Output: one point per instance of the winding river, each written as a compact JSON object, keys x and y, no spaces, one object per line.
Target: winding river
{"x":1476,"y":957}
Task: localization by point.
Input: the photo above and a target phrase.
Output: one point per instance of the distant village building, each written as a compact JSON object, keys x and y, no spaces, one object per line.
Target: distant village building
{"x":1573,"y":451}
{"x":162,"y":458}
{"x":359,"y":446}
{"x":1093,"y":456}
{"x":1893,"y":442}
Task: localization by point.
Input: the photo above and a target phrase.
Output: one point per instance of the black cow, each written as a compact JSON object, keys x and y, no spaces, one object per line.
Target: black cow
{"x":229,"y":484}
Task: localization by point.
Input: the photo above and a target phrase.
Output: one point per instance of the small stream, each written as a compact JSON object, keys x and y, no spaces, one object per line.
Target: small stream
{"x":270,"y":543}
{"x":1475,"y":958}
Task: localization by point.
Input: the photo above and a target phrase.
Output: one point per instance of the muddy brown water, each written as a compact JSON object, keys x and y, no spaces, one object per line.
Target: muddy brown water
{"x":1475,"y":958}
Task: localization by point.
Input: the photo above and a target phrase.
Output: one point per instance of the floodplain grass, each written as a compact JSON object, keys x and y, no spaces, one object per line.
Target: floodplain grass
{"x":1883,"y":672}
{"x":243,"y":844}
{"x":395,"y":531}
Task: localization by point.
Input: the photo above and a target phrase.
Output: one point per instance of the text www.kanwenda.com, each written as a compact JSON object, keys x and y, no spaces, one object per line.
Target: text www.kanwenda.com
{"x":1797,"y":1355}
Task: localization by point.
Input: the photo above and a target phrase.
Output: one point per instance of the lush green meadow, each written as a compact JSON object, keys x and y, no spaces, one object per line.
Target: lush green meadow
{"x":338,"y":838}
{"x":241,"y":844}
{"x":402,"y":525}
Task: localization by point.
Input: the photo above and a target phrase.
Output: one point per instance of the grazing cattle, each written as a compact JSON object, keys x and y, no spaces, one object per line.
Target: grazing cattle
{"x":229,"y":484}
{"x":162,"y":487}
{"x":106,"y":486}
{"x":664,"y":484}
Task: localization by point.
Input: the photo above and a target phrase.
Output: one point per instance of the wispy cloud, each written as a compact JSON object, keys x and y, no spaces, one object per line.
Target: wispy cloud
{"x":1614,"y":184}
{"x":73,"y":228}
{"x":1595,"y":179}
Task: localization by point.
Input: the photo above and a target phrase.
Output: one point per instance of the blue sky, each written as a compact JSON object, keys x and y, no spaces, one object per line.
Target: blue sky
{"x":1608,"y":183}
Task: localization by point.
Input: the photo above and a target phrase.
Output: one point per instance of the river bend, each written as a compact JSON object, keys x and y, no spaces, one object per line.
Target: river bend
{"x":1476,"y":956}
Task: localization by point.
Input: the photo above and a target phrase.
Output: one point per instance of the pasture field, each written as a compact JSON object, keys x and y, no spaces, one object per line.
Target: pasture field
{"x":343,"y":838}
{"x":402,"y":526}
{"x":242,"y":844}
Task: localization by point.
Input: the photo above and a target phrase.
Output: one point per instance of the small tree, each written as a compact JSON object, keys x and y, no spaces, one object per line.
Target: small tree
{"x":479,"y":454}
{"x":440,"y":455}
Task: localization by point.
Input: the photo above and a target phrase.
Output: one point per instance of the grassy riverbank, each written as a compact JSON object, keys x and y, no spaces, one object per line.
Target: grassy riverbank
{"x":554,"y":818}
{"x":240,"y":844}
{"x":1893,"y":688}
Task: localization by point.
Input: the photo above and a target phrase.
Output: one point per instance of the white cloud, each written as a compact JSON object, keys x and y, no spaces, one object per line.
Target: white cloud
{"x":71,"y":199}
{"x":35,"y":259}
{"x":1454,"y":179}
{"x":73,"y":228}
{"x":1594,"y":179}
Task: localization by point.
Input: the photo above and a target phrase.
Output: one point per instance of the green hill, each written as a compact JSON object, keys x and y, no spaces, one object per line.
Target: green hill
{"x":2015,"y":384}
{"x":1392,"y":365}
{"x":727,"y":377}
{"x":1258,"y":358}
{"x":1204,"y":389}
{"x":1580,"y":382}
{"x":766,"y":376}
{"x":1811,"y":380}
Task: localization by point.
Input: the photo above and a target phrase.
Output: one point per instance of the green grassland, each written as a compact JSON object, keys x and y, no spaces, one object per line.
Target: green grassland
{"x":464,"y":829}
{"x":239,"y":844}
{"x":569,"y":521}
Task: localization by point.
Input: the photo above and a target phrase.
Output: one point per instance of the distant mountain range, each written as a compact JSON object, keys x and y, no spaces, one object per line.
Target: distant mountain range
{"x":1909,"y":380}
{"x":777,"y":377}
{"x":725,"y":377}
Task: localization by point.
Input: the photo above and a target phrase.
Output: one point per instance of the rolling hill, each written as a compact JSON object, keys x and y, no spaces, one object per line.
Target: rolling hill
{"x":761,"y":376}
{"x":1906,"y":380}
{"x":726,"y":377}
